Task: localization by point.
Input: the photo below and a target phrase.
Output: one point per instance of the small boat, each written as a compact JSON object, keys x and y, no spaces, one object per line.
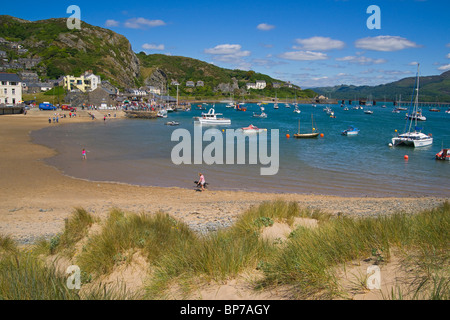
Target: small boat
{"x":211,"y":118}
{"x":260,"y":115}
{"x":435,"y":110}
{"x":252,"y":129}
{"x":444,"y":154}
{"x":368,"y":111}
{"x":351,"y":131}
{"x":287,"y":105}
{"x":416,"y":116}
{"x":297,"y":110}
{"x":162,"y":113}
{"x":310,"y":135}
{"x":239,"y":108}
{"x":275,"y":106}
{"x":172,"y":123}
{"x":346,"y":109}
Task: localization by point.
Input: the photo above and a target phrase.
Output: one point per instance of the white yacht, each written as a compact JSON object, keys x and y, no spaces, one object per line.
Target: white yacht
{"x":413,"y":138}
{"x":211,"y":118}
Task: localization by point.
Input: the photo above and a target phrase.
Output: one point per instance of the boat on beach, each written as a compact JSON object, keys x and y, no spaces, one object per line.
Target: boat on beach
{"x":211,"y":118}
{"x":413,"y":138}
{"x":350,"y":131}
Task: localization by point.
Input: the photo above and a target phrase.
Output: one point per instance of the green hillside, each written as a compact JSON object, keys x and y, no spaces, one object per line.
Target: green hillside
{"x":62,"y":51}
{"x":183,"y":69}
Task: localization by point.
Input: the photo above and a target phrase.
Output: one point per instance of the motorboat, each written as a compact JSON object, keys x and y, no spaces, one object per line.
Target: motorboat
{"x":260,"y":115}
{"x":444,"y":154}
{"x":252,"y":129}
{"x":172,"y":123}
{"x":416,"y":116}
{"x":162,"y":113}
{"x":297,"y":110}
{"x":350,"y":131}
{"x":211,"y":118}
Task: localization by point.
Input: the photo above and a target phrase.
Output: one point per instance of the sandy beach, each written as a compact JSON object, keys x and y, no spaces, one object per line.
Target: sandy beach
{"x":36,"y":198}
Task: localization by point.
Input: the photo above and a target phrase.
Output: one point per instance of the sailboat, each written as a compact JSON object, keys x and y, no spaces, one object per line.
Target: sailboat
{"x":312,"y":134}
{"x":413,"y":138}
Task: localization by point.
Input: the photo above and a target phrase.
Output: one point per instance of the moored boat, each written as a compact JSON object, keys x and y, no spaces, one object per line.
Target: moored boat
{"x":413,"y":138}
{"x":252,"y":129}
{"x":211,"y":118}
{"x":350,"y":131}
{"x":444,"y":154}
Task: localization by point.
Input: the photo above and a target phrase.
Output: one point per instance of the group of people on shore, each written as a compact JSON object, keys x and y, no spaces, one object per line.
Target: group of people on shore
{"x":57,"y":116}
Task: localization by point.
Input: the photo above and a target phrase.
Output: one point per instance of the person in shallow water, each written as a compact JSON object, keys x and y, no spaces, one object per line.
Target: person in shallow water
{"x":201,"y":181}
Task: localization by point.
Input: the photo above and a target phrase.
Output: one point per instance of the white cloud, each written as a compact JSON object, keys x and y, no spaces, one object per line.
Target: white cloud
{"x":304,"y":56}
{"x":385,"y":43}
{"x":151,"y":46}
{"x":224,"y":49}
{"x":265,"y":27}
{"x":112,"y":23}
{"x":414,"y":63}
{"x":319,"y":43}
{"x":140,"y":23}
{"x":448,"y":56}
{"x":230,"y":53}
{"x":363,"y":61}
{"x":445,"y":67}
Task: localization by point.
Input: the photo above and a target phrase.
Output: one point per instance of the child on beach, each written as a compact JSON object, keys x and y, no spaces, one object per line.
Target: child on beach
{"x":83,"y":153}
{"x":201,"y":181}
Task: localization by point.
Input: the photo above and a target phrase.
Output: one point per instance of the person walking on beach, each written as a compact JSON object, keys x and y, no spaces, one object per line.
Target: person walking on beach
{"x":202,"y":181}
{"x":83,"y":153}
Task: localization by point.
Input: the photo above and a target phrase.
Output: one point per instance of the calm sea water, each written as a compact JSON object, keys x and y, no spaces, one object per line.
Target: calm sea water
{"x":139,"y":152}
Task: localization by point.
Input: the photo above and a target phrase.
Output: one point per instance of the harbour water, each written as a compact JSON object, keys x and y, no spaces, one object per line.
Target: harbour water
{"x":139,"y":152}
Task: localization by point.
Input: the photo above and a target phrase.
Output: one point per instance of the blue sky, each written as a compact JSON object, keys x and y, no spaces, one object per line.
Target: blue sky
{"x":310,"y":43}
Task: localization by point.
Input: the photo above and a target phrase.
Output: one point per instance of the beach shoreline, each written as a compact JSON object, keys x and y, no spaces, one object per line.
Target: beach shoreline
{"x":36,"y":197}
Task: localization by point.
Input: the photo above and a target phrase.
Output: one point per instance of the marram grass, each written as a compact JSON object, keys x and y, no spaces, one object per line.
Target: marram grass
{"x":305,"y":264}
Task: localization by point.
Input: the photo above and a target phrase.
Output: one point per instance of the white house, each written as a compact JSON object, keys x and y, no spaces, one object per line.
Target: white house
{"x":10,"y":88}
{"x":260,"y":84}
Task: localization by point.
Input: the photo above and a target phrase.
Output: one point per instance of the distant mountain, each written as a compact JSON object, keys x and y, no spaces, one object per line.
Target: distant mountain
{"x":61,"y":51}
{"x":432,"y":88}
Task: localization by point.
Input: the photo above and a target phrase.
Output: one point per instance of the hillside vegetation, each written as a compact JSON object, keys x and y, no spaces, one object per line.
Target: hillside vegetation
{"x":63,"y":51}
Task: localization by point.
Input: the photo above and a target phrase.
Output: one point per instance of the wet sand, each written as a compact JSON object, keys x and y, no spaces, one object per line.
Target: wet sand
{"x":36,"y":198}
